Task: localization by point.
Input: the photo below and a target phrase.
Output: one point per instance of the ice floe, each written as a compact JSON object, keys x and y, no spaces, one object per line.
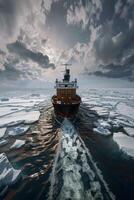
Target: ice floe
{"x":104,"y":124}
{"x":124,"y":121}
{"x":101,"y":111}
{"x":17,"y":144}
{"x":102,"y":131}
{"x":115,"y":124}
{"x":22,"y":102}
{"x":26,"y":117}
{"x":129,"y":131}
{"x":112,"y":114}
{"x":124,"y":109}
{"x":125,"y":143}
{"x":2,"y":132}
{"x":102,"y":128}
{"x":5,"y":110}
{"x":3,"y":142}
{"x":8,"y":175}
{"x":19,"y":130}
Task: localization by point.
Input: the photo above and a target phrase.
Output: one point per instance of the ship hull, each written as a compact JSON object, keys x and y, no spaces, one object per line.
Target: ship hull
{"x":66,"y":110}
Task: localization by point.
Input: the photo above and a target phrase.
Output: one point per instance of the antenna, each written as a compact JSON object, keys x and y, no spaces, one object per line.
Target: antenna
{"x":66,"y":65}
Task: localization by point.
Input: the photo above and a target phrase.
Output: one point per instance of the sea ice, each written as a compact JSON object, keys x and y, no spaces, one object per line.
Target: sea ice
{"x":124,"y":121}
{"x":3,"y":142}
{"x":124,"y":109}
{"x":74,"y":162}
{"x":104,"y":124}
{"x":115,"y":125}
{"x":95,"y":186}
{"x":113,"y":114}
{"x":101,"y":111}
{"x":17,"y":144}
{"x":23,"y":103}
{"x":125,"y":143}
{"x":19,"y":130}
{"x":129,"y":131}
{"x":102,"y":127}
{"x":102,"y":131}
{"x":32,"y":117}
{"x":8,"y":175}
{"x":4,"y":110}
{"x":27,"y":117}
{"x":2,"y":132}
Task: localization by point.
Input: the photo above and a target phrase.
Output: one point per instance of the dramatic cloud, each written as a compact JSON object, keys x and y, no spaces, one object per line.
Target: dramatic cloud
{"x":116,"y":71}
{"x":9,"y":73}
{"x":12,"y":16}
{"x":23,"y":52}
{"x":111,"y":37}
{"x":96,"y":36}
{"x":110,"y":48}
{"x":23,"y":21}
{"x":83,"y":13}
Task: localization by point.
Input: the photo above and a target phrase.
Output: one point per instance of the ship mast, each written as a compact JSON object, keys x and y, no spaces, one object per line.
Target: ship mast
{"x":67,"y":73}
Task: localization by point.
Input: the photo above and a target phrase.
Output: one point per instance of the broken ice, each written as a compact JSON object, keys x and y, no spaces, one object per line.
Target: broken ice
{"x":3,"y":142}
{"x":125,"y":143}
{"x":2,"y":132}
{"x":19,"y":130}
{"x":102,"y":128}
{"x":8,"y":175}
{"x":27,"y":117}
{"x":129,"y":131}
{"x":17,"y":144}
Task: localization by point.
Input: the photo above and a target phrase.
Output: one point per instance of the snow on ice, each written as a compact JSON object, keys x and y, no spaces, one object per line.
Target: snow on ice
{"x":125,"y":143}
{"x":3,"y":142}
{"x":102,"y":131}
{"x":6,"y":110}
{"x":102,"y":128}
{"x":19,"y":130}
{"x":28,"y":117}
{"x":17,"y":144}
{"x":2,"y":132}
{"x":101,"y":111}
{"x":73,"y":186}
{"x":129,"y":131}
{"x":8,"y":175}
{"x":124,"y":109}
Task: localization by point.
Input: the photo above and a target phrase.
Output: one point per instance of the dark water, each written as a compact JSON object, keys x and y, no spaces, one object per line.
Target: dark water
{"x":116,"y":167}
{"x":66,"y":160}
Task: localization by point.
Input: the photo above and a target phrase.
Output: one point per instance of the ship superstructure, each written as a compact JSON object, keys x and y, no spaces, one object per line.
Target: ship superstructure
{"x":66,"y":102}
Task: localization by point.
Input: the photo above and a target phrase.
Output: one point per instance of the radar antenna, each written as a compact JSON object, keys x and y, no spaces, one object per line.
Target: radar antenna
{"x":66,"y":65}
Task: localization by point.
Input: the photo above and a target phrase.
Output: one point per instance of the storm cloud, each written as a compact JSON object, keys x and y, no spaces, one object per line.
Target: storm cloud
{"x":9,"y":73}
{"x":12,"y":16}
{"x":96,"y":36}
{"x":116,"y":71}
{"x":20,"y":49}
{"x":111,"y":39}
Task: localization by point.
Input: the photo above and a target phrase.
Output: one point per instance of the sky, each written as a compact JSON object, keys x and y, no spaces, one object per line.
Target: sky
{"x":95,"y":36}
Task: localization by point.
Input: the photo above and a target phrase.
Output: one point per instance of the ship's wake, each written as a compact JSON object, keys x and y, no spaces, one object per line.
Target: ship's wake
{"x":74,"y":174}
{"x":55,"y":162}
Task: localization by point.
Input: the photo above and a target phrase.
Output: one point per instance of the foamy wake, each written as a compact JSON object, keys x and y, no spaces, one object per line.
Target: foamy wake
{"x":72,"y":176}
